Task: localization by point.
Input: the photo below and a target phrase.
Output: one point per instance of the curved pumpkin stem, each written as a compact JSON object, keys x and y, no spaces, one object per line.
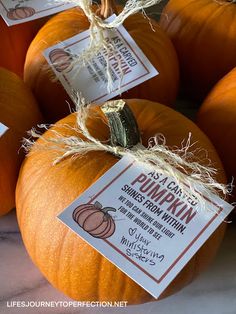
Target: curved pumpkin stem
{"x":105,"y":210}
{"x":122,"y":123}
{"x":108,"y":7}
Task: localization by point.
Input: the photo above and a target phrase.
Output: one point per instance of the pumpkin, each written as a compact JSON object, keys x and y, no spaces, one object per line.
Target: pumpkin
{"x":203,"y":33}
{"x":43,"y":191}
{"x":18,"y":112}
{"x":52,"y":97}
{"x":217,"y":118}
{"x":15,"y":41}
{"x":95,"y":220}
{"x":19,"y":13}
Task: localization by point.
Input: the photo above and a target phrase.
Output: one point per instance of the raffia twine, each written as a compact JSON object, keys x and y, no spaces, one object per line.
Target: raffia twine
{"x":178,"y":163}
{"x":98,"y":30}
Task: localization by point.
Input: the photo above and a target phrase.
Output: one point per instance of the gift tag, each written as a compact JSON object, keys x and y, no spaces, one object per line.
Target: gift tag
{"x":128,"y":66}
{"x":3,"y":129}
{"x":141,"y":221}
{"x":20,"y":11}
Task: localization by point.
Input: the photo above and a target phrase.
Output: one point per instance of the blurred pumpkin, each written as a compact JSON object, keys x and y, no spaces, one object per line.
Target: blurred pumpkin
{"x":44,"y":190}
{"x":15,"y":41}
{"x":18,"y":112}
{"x":203,"y":33}
{"x":156,"y":46}
{"x":217,"y":118}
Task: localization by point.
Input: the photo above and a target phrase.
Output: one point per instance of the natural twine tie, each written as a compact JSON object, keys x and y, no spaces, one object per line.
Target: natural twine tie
{"x":178,"y":163}
{"x":98,"y":32}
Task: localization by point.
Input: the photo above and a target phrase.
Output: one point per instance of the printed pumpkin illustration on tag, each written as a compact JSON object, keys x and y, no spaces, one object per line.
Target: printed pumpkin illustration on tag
{"x":20,"y":13}
{"x":61,"y":60}
{"x":95,"y":220}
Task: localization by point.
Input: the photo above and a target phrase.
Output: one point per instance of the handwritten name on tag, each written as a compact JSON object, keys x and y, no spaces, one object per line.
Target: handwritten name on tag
{"x":142,"y":222}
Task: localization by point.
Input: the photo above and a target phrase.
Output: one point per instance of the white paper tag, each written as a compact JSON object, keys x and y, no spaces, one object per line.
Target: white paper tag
{"x":3,"y":129}
{"x":20,"y":11}
{"x":91,"y":79}
{"x":153,"y":232}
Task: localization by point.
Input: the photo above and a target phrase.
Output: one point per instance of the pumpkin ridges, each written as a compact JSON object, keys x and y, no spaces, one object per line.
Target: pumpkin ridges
{"x":87,"y":217}
{"x":36,"y":77}
{"x":73,"y":185}
{"x":209,"y":58}
{"x":19,"y":112}
{"x":104,"y":232}
{"x":219,"y":109}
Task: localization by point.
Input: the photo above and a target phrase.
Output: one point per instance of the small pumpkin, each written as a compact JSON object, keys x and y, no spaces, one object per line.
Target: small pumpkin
{"x":19,"y":112}
{"x":95,"y":220}
{"x":217,"y":118}
{"x":52,"y":97}
{"x":203,"y":33}
{"x":44,"y":191}
{"x":15,"y":41}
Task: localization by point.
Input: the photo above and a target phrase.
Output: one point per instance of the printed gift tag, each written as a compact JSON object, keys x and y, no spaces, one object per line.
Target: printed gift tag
{"x":141,"y":222}
{"x":128,"y":66}
{"x":20,"y":11}
{"x":3,"y":129}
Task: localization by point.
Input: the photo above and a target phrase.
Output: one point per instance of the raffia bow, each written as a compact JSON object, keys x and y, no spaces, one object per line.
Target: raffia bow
{"x":176,"y":163}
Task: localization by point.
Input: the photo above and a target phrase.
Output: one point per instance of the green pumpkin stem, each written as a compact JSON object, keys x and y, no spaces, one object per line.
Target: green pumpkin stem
{"x":122,"y":123}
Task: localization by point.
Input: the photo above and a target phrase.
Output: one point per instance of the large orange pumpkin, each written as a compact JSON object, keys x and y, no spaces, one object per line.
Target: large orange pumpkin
{"x":43,"y":191}
{"x":203,"y":33}
{"x":15,"y":41}
{"x":217,"y":118}
{"x":18,"y":112}
{"x":52,"y":96}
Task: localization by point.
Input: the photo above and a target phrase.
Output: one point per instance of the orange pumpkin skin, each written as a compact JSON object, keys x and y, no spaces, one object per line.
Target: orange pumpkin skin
{"x":217,"y":118}
{"x":52,"y":96}
{"x":203,"y":33}
{"x":15,"y":41}
{"x":43,"y":191}
{"x":19,"y":112}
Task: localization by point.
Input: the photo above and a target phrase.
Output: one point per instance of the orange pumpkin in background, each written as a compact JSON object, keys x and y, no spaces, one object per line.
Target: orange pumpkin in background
{"x":217,"y":118}
{"x":15,"y":41}
{"x":18,"y":112}
{"x":44,"y":190}
{"x":156,"y":46}
{"x":203,"y":33}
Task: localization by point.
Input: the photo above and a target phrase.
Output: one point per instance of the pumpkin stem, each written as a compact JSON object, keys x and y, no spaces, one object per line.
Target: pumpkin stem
{"x":108,"y":7}
{"x":98,"y":205}
{"x":105,"y":210}
{"x":122,"y":123}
